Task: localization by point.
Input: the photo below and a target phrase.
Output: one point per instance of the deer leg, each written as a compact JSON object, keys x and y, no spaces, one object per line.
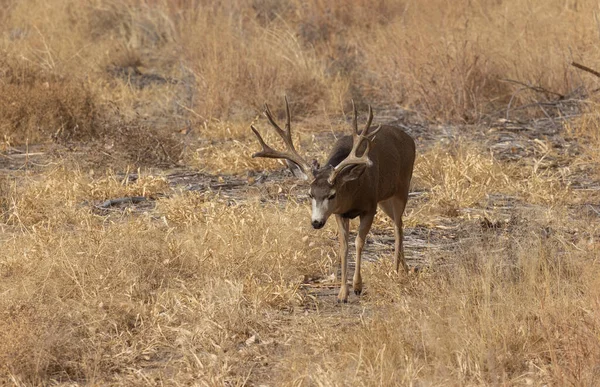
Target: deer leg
{"x":391,"y":207}
{"x":399,"y":204}
{"x":343,"y":231}
{"x":363,"y":229}
{"x":388,"y":208}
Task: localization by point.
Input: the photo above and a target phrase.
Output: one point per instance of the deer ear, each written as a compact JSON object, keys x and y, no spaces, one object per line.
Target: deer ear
{"x":352,"y":173}
{"x":296,"y":170}
{"x":315,"y":166}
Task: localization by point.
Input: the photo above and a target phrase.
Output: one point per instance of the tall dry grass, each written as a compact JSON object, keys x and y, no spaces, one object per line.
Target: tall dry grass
{"x":199,"y":61}
{"x":518,"y":311}
{"x":87,"y":298}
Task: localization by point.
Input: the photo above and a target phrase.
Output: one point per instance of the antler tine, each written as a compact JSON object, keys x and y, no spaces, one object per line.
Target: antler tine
{"x":354,"y":119}
{"x":286,"y":135}
{"x":266,"y":151}
{"x":288,"y":117}
{"x":369,"y":120}
{"x":365,"y":131}
{"x":267,"y":113}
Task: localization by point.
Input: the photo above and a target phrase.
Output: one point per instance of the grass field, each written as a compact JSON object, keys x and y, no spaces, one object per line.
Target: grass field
{"x":216,"y":278}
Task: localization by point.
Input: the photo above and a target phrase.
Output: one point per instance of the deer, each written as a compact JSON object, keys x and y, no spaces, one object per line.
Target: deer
{"x":365,"y":170}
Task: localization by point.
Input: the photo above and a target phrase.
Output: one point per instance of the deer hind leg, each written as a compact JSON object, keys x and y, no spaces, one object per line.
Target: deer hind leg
{"x":394,"y":208}
{"x":398,"y":204}
{"x":388,"y":208}
{"x":343,"y":232}
{"x":363,"y":229}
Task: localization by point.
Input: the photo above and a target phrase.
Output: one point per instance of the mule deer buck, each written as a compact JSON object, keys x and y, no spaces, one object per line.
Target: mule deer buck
{"x":366,"y":169}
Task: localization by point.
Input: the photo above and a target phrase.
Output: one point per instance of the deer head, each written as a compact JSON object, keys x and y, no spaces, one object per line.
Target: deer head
{"x":329,"y":180}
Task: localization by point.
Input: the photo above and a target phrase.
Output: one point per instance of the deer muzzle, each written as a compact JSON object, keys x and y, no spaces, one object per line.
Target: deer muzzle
{"x":320,"y":213}
{"x":317,"y":224}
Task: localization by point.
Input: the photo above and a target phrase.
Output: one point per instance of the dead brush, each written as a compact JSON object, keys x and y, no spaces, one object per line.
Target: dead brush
{"x":587,"y":127}
{"x":447,"y":62}
{"x":58,"y":199}
{"x":128,"y":184}
{"x":499,"y":314}
{"x":139,"y":290}
{"x":459,"y":176}
{"x":462,"y":176}
{"x":465,"y":91}
{"x":139,"y":144}
{"x":451,"y":62}
{"x":38,"y":106}
{"x":273,"y":56}
{"x":186,"y":208}
{"x":136,"y":23}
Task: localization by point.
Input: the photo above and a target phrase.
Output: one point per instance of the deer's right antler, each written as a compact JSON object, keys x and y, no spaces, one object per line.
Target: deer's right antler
{"x":357,"y":139}
{"x":286,"y":135}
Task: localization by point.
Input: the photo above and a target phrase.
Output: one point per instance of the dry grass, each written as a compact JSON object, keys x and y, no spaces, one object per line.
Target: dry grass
{"x":201,"y":61}
{"x":202,"y":288}
{"x":587,"y":128}
{"x":461,"y":175}
{"x":38,"y":106}
{"x":512,"y":312}
{"x":84,"y":299}
{"x":208,"y":288}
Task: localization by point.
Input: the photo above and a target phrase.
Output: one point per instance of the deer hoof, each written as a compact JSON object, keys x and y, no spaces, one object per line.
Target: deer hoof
{"x":357,"y":291}
{"x":343,"y":294}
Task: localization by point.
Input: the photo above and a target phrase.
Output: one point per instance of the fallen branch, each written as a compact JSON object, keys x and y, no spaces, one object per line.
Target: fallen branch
{"x":128,"y":200}
{"x":25,"y":154}
{"x":537,"y":89}
{"x":585,"y":68}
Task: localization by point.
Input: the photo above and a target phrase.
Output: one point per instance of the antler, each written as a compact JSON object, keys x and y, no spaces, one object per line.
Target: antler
{"x":357,"y":139}
{"x":286,"y":135}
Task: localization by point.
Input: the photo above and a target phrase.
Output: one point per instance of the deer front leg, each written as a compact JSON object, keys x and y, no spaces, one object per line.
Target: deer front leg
{"x":363,"y":229}
{"x":343,"y":231}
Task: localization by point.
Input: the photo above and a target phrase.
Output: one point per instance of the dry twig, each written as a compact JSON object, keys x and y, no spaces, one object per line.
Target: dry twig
{"x":585,"y":68}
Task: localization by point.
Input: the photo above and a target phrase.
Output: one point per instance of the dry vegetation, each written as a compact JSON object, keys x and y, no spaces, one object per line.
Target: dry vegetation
{"x":217,"y":279}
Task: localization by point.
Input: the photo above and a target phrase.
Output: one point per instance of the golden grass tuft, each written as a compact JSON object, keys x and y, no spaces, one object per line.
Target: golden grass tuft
{"x":38,"y":106}
{"x":65,"y":193}
{"x":587,"y":128}
{"x":462,"y":175}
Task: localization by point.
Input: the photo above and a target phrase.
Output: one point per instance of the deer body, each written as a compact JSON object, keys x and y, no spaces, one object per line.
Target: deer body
{"x":349,"y":186}
{"x":389,"y":175}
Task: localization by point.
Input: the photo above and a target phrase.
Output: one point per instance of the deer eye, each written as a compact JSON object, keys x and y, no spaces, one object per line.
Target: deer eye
{"x":310,"y":195}
{"x":332,"y":196}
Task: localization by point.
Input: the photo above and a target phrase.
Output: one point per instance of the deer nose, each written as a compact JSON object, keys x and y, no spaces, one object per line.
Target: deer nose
{"x":317,"y":224}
